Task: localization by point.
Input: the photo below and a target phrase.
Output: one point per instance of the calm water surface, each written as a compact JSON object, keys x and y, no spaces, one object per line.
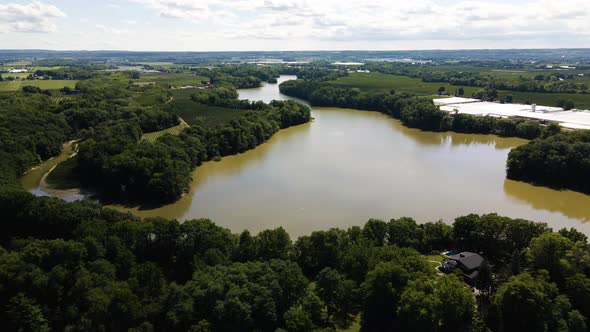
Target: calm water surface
{"x":348,"y":166}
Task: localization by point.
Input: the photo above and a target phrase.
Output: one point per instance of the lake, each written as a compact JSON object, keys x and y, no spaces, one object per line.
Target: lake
{"x":348,"y":166}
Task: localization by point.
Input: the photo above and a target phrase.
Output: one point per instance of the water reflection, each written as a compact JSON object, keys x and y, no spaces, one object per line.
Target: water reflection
{"x":570,"y":203}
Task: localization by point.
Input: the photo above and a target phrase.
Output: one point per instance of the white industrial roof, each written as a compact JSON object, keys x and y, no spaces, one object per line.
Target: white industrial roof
{"x":453,"y":100}
{"x":568,"y":119}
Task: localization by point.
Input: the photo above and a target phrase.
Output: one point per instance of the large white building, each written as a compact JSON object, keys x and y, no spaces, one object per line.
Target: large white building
{"x":574,"y":119}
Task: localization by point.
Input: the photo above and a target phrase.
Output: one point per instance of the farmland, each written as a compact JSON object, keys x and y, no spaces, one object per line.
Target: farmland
{"x":43,"y":84}
{"x":173,"y":79}
{"x":198,"y":114}
{"x":383,"y":82}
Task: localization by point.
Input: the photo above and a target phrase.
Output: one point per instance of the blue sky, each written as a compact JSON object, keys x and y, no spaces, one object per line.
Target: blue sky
{"x":200,"y":25}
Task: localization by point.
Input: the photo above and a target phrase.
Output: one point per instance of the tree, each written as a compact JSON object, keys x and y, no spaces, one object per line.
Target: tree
{"x":274,"y":243}
{"x":382,"y":289}
{"x":376,"y":232}
{"x":461,"y":91}
{"x":508,"y":99}
{"x":527,"y":302}
{"x":25,"y":315}
{"x":548,"y":252}
{"x":339,"y":296}
{"x":443,"y":304}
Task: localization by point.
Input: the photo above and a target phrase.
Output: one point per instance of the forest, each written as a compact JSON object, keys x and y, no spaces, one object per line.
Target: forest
{"x":77,"y":266}
{"x":561,"y":161}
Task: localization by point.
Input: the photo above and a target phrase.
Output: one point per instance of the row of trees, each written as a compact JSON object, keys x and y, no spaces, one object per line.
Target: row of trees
{"x":561,"y":161}
{"x":415,"y":112}
{"x":550,"y":83}
{"x":77,"y":266}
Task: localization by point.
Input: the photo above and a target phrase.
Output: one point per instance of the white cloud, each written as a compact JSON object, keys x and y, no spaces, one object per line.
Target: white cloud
{"x":33,"y":17}
{"x":360,"y":20}
{"x":110,"y":30}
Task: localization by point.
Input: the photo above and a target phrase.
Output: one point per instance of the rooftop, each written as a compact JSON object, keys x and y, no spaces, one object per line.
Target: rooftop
{"x":453,"y":100}
{"x":574,"y":119}
{"x":469,"y":260}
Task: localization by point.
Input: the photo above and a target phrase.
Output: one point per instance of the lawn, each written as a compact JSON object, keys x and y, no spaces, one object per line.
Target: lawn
{"x":373,"y":82}
{"x":173,"y":79}
{"x":198,"y":114}
{"x":434,"y":260}
{"x":43,"y":84}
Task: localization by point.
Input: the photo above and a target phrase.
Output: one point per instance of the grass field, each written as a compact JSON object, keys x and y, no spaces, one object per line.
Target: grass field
{"x":373,"y":82}
{"x":173,"y":79}
{"x":64,"y":176}
{"x":172,"y":130}
{"x":15,"y":75}
{"x":43,"y":84}
{"x":434,"y":260}
{"x":199,"y":114}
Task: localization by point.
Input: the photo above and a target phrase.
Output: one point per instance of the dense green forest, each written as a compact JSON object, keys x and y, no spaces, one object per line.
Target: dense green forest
{"x":561,"y":161}
{"x":76,"y":266}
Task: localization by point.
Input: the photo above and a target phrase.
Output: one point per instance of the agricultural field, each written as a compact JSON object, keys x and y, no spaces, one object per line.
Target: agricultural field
{"x":372,"y":82}
{"x":172,"y":79}
{"x":43,"y":84}
{"x":15,"y":75}
{"x":172,"y":130}
{"x":198,"y":114}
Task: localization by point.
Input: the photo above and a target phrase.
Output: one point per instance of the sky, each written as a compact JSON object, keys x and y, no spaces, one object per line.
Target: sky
{"x":274,"y":25}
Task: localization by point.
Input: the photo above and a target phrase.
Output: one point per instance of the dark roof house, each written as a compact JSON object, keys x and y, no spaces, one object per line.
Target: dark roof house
{"x":468,"y":262}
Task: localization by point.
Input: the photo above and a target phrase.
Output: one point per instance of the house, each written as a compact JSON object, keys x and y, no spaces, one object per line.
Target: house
{"x":468,"y":262}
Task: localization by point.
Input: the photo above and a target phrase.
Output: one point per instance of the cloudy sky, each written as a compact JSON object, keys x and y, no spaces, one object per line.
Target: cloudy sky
{"x":209,"y":25}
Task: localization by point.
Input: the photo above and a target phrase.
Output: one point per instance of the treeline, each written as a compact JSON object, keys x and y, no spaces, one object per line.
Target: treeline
{"x":251,"y":76}
{"x":69,"y":73}
{"x":551,"y":83}
{"x":561,"y":161}
{"x":76,"y":266}
{"x":415,"y":112}
{"x":114,"y":160}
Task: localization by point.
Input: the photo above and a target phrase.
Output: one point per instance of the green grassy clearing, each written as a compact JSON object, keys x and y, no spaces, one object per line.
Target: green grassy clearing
{"x":64,"y":176}
{"x":173,"y":79}
{"x":172,"y":130}
{"x":43,"y":84}
{"x":374,"y":82}
{"x":434,"y":260}
{"x":356,"y":325}
{"x":198,"y":114}
{"x":15,"y":75}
